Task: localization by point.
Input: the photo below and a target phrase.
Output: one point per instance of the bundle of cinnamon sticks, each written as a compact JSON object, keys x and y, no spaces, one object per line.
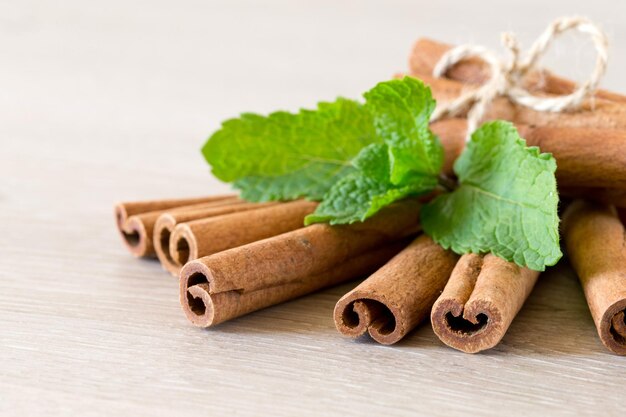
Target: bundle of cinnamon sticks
{"x":234,"y":257}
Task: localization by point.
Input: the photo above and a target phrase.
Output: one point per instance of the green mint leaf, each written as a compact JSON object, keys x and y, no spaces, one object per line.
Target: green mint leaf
{"x":285,"y":155}
{"x":363,"y":193}
{"x":373,"y":162}
{"x":506,"y":203}
{"x":407,"y":164}
{"x":401,"y":110}
{"x":355,"y":198}
{"x":311,"y":181}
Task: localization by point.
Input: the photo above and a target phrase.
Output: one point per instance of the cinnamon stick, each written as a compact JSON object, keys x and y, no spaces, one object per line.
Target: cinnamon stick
{"x":427,"y":52}
{"x":621,"y":213}
{"x":586,"y":157}
{"x":593,"y":113}
{"x":610,"y":196}
{"x":135,"y":220}
{"x":167,"y":221}
{"x":587,"y":166}
{"x":594,"y":238}
{"x":198,"y":238}
{"x":397,"y":297}
{"x":237,"y":281}
{"x":479,"y":302}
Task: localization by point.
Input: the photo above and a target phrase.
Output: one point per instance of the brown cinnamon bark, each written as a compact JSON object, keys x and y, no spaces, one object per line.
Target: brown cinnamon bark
{"x":167,"y":221}
{"x":597,"y":113}
{"x":479,"y":302}
{"x":452,"y":133}
{"x":397,"y":297}
{"x":586,"y":157}
{"x":621,"y":213}
{"x":596,"y":246}
{"x":427,"y":52}
{"x":198,"y":238}
{"x":579,"y":169}
{"x":610,"y":196}
{"x":135,"y":220}
{"x":237,"y":281}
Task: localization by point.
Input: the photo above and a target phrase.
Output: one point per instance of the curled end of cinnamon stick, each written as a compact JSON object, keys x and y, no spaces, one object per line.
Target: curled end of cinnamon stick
{"x":357,"y":313}
{"x":612,"y":329}
{"x":480,"y":301}
{"x":161,"y":240}
{"x":399,"y":295}
{"x":470,"y":328}
{"x":120,"y":215}
{"x":195,"y":294}
{"x":133,"y":232}
{"x":182,"y":245}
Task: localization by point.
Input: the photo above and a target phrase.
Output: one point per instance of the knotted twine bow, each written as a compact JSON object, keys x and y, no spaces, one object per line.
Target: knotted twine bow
{"x":506,"y":77}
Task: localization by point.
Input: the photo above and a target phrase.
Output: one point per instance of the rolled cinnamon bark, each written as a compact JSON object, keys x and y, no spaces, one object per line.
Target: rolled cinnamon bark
{"x":593,"y":113}
{"x":166,"y":222}
{"x":452,"y":133}
{"x":586,"y":157}
{"x":427,"y":52}
{"x":570,"y":170}
{"x":135,"y":220}
{"x":479,"y":302}
{"x":594,"y":238}
{"x":621,"y":213}
{"x":237,"y":281}
{"x":610,"y":196}
{"x":198,"y":238}
{"x":397,"y":297}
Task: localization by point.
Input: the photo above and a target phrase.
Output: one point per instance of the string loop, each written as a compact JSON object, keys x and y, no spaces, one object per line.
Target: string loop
{"x":506,"y":76}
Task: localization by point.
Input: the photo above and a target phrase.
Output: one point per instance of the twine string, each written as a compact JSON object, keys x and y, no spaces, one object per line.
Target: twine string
{"x":506,"y":76}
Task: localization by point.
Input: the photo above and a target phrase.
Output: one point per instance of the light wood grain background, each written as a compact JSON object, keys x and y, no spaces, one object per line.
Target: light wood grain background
{"x":108,"y":101}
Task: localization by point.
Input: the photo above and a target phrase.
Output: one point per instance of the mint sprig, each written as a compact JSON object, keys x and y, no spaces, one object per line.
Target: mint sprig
{"x":401,"y":112}
{"x":358,"y":158}
{"x":506,"y":202}
{"x":362,"y":194}
{"x":406,"y":164}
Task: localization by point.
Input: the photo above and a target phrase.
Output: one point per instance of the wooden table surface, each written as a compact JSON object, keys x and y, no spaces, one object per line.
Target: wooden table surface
{"x":109,"y":101}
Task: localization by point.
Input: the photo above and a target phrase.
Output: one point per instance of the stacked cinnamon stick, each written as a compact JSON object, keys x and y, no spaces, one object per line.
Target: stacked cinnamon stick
{"x":240,"y":257}
{"x":178,"y":231}
{"x":485,"y":293}
{"x":235,"y":257}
